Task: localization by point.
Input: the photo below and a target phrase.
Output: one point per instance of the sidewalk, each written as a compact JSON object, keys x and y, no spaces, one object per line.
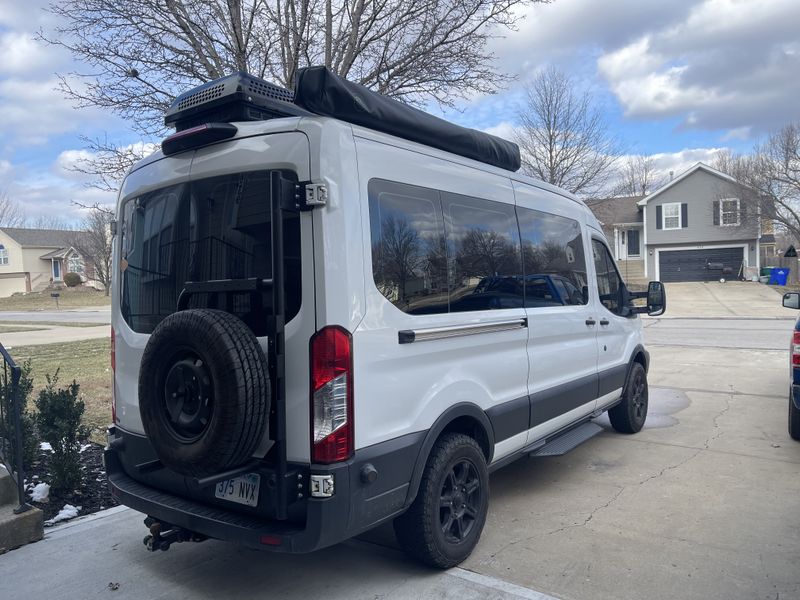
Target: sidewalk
{"x":53,"y":335}
{"x":103,"y":556}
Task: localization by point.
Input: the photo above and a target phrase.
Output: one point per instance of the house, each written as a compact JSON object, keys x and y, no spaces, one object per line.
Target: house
{"x":33,"y":259}
{"x":700,"y":226}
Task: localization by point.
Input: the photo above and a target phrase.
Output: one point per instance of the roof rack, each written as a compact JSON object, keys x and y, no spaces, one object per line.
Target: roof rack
{"x":318,"y":91}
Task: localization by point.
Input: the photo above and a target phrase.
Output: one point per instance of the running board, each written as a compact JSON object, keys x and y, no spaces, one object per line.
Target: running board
{"x":569,"y":440}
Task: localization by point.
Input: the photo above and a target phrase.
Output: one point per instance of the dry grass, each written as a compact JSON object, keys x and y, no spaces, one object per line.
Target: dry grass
{"x":31,"y":325}
{"x":69,"y":298}
{"x":87,"y":362}
{"x":13,"y":327}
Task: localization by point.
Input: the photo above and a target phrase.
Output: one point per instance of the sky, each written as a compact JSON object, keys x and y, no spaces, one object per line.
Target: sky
{"x":676,"y":79}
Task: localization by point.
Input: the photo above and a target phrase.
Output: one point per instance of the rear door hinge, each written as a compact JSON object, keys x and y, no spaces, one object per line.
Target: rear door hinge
{"x":316,"y":194}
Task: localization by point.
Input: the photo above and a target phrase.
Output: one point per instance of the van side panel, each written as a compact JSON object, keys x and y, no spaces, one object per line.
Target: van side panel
{"x":402,"y":388}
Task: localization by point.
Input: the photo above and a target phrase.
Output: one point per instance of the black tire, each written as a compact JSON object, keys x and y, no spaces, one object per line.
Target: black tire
{"x":794,"y":421}
{"x":629,"y":415}
{"x":204,"y":393}
{"x":444,"y":523}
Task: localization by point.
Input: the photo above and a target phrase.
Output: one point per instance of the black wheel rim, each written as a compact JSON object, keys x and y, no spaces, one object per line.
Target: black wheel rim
{"x":639,"y":397}
{"x":188,"y":398}
{"x":460,"y":501}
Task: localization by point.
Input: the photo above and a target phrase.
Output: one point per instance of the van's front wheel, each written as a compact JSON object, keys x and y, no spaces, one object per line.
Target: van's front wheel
{"x":444,"y":523}
{"x":629,"y":415}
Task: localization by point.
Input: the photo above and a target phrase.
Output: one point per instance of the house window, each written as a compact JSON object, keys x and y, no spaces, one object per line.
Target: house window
{"x":3,"y":255}
{"x":729,"y":211}
{"x":75,"y":264}
{"x":672,"y":215}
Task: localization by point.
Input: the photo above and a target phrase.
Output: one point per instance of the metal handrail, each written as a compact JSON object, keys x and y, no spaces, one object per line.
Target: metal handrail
{"x":12,"y":393}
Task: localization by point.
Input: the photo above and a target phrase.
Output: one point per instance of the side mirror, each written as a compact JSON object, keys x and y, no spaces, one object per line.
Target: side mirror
{"x":656,"y":299}
{"x":791,"y":299}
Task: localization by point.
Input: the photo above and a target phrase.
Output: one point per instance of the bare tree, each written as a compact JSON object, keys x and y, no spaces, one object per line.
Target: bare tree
{"x":564,"y":139}
{"x":141,"y":53}
{"x":11,"y":214}
{"x":93,"y":243}
{"x":772,"y":173}
{"x":637,"y":176}
{"x":48,"y":222}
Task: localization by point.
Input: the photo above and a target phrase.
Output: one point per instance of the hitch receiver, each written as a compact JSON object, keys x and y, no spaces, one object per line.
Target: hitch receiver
{"x":163,"y":535}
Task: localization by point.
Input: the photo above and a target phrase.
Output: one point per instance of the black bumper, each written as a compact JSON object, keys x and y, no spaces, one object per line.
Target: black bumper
{"x":355,"y":506}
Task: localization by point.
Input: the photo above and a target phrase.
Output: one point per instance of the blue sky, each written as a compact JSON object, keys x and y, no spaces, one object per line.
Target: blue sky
{"x":678,"y":79}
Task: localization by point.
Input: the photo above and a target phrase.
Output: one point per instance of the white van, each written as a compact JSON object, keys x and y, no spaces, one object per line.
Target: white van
{"x":321,"y":323}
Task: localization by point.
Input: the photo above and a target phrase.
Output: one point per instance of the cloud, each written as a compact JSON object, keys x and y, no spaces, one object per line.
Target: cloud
{"x":23,"y":55}
{"x":729,"y":65}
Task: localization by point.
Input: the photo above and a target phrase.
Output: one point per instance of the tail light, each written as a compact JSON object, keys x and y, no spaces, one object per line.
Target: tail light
{"x":331,"y":395}
{"x":113,"y":376}
{"x":796,"y":349}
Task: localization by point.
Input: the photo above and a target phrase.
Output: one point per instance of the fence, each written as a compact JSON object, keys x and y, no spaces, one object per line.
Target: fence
{"x":785,"y":263}
{"x":11,"y":436}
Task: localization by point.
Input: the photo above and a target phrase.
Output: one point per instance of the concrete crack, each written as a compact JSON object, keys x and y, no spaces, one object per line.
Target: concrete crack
{"x":718,"y":430}
{"x":591,"y":514}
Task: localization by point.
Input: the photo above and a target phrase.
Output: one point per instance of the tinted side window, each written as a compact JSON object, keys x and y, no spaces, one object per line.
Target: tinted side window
{"x":409,"y":261}
{"x":608,"y":279}
{"x":553,"y":259}
{"x":484,"y":255}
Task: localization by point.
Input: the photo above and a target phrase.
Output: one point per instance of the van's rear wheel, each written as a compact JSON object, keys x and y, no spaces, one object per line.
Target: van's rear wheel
{"x":204,"y":393}
{"x":629,"y":415}
{"x":444,"y":523}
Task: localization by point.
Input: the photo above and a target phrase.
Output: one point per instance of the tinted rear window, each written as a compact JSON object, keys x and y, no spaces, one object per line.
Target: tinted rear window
{"x":211,"y":229}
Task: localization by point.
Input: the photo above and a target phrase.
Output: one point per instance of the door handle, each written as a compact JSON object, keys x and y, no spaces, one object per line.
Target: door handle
{"x":603,"y":321}
{"x":590,"y":321}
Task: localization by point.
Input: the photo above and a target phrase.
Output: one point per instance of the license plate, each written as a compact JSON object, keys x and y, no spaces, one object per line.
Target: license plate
{"x":243,"y":490}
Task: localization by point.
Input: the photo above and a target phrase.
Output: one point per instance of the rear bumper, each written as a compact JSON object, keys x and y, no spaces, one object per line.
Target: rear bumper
{"x":355,"y":507}
{"x":796,"y":395}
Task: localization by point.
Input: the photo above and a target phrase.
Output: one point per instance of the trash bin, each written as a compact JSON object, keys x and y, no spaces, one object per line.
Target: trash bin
{"x":766,"y":271}
{"x":778,"y":276}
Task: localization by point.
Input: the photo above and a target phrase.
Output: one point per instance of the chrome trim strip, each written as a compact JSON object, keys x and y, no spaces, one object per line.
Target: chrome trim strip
{"x":408,"y":336}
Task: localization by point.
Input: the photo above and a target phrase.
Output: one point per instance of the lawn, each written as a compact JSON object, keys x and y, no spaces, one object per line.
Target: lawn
{"x":31,"y":325}
{"x":87,"y":362}
{"x":69,"y":298}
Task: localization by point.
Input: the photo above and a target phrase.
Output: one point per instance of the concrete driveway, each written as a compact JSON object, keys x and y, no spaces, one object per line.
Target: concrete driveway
{"x":731,"y":299}
{"x":702,"y":504}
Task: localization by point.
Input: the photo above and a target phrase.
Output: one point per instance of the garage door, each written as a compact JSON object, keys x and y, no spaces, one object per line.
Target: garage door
{"x":693,"y":265}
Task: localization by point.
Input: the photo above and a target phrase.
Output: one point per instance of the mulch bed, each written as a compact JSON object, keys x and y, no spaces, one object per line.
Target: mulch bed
{"x":91,"y":496}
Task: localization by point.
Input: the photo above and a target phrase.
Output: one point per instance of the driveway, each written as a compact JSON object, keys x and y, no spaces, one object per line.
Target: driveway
{"x":731,"y":299}
{"x":704,"y":503}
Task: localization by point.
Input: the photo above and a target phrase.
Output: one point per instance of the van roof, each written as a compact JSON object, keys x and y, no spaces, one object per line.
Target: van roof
{"x":286,"y":124}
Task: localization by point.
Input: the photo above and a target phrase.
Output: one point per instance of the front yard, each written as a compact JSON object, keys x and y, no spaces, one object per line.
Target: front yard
{"x":68,"y":298}
{"x":88,"y":362}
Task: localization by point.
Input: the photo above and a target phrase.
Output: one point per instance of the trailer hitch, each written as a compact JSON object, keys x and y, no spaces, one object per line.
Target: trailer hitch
{"x":163,"y":535}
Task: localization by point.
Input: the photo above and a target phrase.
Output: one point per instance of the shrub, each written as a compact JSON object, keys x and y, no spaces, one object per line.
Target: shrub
{"x":72,"y":279}
{"x":30,"y":441}
{"x":59,"y":422}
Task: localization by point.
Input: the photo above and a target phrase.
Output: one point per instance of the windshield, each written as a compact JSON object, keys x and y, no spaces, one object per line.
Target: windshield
{"x":210,"y":229}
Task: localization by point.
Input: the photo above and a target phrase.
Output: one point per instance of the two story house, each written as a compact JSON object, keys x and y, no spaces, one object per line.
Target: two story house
{"x":700,"y":226}
{"x":33,"y":259}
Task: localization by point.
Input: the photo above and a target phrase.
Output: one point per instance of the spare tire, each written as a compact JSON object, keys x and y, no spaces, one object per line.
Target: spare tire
{"x":204,"y":392}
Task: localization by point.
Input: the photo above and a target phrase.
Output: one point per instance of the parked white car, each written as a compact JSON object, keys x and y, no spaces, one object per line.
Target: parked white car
{"x":332,"y":310}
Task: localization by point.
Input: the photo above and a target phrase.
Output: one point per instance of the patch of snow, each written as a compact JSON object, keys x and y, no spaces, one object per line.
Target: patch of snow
{"x":40,"y":492}
{"x":46,"y":447}
{"x":68,"y":512}
{"x":85,"y":447}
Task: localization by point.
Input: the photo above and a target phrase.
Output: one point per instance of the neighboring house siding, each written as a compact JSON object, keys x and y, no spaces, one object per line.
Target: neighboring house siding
{"x":699,"y":191}
{"x":12,"y":275}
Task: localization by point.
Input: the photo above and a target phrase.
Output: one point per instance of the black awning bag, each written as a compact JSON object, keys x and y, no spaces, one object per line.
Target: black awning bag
{"x":320,"y":91}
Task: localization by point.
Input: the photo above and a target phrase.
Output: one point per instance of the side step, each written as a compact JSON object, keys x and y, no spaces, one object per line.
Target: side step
{"x":569,"y":440}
